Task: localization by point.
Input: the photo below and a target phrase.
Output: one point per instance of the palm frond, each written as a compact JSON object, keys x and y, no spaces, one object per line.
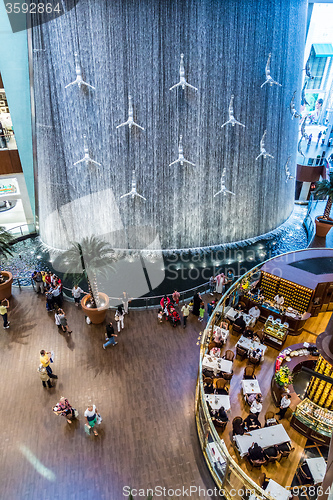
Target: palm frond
{"x":6,"y":239}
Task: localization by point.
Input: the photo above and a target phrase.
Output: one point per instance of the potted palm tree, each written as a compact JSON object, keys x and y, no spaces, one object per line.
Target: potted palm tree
{"x":91,"y":257}
{"x":324,"y":222}
{"x":6,"y":278}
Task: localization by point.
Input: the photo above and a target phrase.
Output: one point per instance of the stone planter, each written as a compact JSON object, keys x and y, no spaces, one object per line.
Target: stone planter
{"x":322,"y":228}
{"x":96,"y":316}
{"x":6,"y":288}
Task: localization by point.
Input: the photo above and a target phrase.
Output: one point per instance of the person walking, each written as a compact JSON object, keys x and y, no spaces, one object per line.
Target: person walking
{"x":63,"y":321}
{"x":91,"y":418}
{"x":76,"y":292}
{"x":119,"y":317}
{"x":45,"y":361}
{"x":3,"y":311}
{"x":186,"y":312}
{"x":284,"y":405}
{"x":44,"y":376}
{"x":196,"y":303}
{"x":65,"y":409}
{"x":110,"y":336}
{"x":57,"y":317}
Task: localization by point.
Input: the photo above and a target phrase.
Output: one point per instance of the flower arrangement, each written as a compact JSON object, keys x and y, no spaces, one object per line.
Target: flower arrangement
{"x":283,"y":376}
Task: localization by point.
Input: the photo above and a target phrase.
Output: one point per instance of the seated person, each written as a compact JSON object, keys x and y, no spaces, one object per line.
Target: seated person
{"x":256,"y":354}
{"x":256,"y":406}
{"x":215,"y":352}
{"x":238,"y":428}
{"x":248,"y":333}
{"x":208,"y":388}
{"x":241,"y":323}
{"x":224,"y":325}
{"x":284,"y":447}
{"x":239,"y":307}
{"x":250,"y":398}
{"x":254,"y":313}
{"x":217,"y":335}
{"x":208,"y":373}
{"x":256,"y":453}
{"x":251,"y":422}
{"x":221,"y":416}
{"x":271,"y":451}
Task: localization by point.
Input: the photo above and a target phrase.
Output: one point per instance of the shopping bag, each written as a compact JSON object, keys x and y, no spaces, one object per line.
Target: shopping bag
{"x":99,"y":419}
{"x":87,"y":428}
{"x":88,"y":320}
{"x":76,"y":413}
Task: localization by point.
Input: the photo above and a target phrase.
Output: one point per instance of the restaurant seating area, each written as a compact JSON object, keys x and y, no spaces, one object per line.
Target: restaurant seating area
{"x":249,"y":376}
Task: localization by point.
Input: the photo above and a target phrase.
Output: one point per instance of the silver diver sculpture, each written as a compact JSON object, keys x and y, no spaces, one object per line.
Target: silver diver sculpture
{"x":269,"y":79}
{"x":304,"y":135}
{"x":232,"y":119}
{"x":133,"y":192}
{"x":182,"y":81}
{"x":307,"y":70}
{"x":78,"y":80}
{"x":130,"y":121}
{"x":223,"y":189}
{"x":181,"y":158}
{"x":263,"y":151}
{"x":287,"y":171}
{"x":303,"y":98}
{"x":293,"y":110}
{"x":87,"y":158}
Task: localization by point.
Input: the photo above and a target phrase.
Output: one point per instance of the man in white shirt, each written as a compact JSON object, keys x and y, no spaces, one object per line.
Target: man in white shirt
{"x":279,"y":300}
{"x":256,"y":406}
{"x":76,"y":292}
{"x":254,"y":312}
{"x":284,"y":405}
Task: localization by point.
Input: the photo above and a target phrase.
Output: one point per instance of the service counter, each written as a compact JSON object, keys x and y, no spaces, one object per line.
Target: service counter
{"x":295,"y":324}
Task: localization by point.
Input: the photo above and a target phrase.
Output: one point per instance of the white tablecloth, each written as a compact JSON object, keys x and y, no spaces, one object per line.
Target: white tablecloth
{"x":251,"y":387}
{"x":317,"y":468}
{"x":277,"y":491}
{"x":217,"y":364}
{"x":224,"y":333}
{"x":249,"y":344}
{"x":265,"y":437}
{"x":216,"y":401}
{"x":232,"y":314}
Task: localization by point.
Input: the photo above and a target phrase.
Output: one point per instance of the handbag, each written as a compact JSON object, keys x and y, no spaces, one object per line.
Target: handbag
{"x":87,"y":429}
{"x":99,"y":419}
{"x":76,"y":413}
{"x":116,"y":317}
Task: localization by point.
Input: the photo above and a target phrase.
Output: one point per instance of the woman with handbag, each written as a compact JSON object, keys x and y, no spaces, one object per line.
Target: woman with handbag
{"x":91,"y":415}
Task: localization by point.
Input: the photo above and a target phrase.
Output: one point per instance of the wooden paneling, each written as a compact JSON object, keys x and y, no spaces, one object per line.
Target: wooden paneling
{"x":10,"y":162}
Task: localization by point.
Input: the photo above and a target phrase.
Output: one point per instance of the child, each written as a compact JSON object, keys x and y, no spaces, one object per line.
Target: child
{"x":201,"y":312}
{"x":160,"y":316}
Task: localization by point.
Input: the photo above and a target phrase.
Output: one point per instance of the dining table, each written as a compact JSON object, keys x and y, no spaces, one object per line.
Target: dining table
{"x":233,"y":314}
{"x":216,"y":364}
{"x":265,"y":437}
{"x":216,"y":401}
{"x":249,"y":345}
{"x":251,"y":387}
{"x":317,"y":467}
{"x":277,"y":491}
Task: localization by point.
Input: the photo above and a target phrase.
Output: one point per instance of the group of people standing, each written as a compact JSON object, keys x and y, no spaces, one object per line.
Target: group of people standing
{"x":221,"y":282}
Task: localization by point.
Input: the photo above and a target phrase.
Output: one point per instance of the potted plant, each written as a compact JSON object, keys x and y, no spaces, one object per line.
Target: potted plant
{"x":90,"y":257}
{"x":6,"y":278}
{"x":283,"y":377}
{"x":324,"y":222}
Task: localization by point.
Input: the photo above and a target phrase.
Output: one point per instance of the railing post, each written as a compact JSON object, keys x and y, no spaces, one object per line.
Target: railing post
{"x":18,"y":282}
{"x":146,"y":302}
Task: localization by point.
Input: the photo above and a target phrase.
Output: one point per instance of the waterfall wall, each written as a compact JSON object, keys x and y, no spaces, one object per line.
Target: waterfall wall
{"x":133,"y":47}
